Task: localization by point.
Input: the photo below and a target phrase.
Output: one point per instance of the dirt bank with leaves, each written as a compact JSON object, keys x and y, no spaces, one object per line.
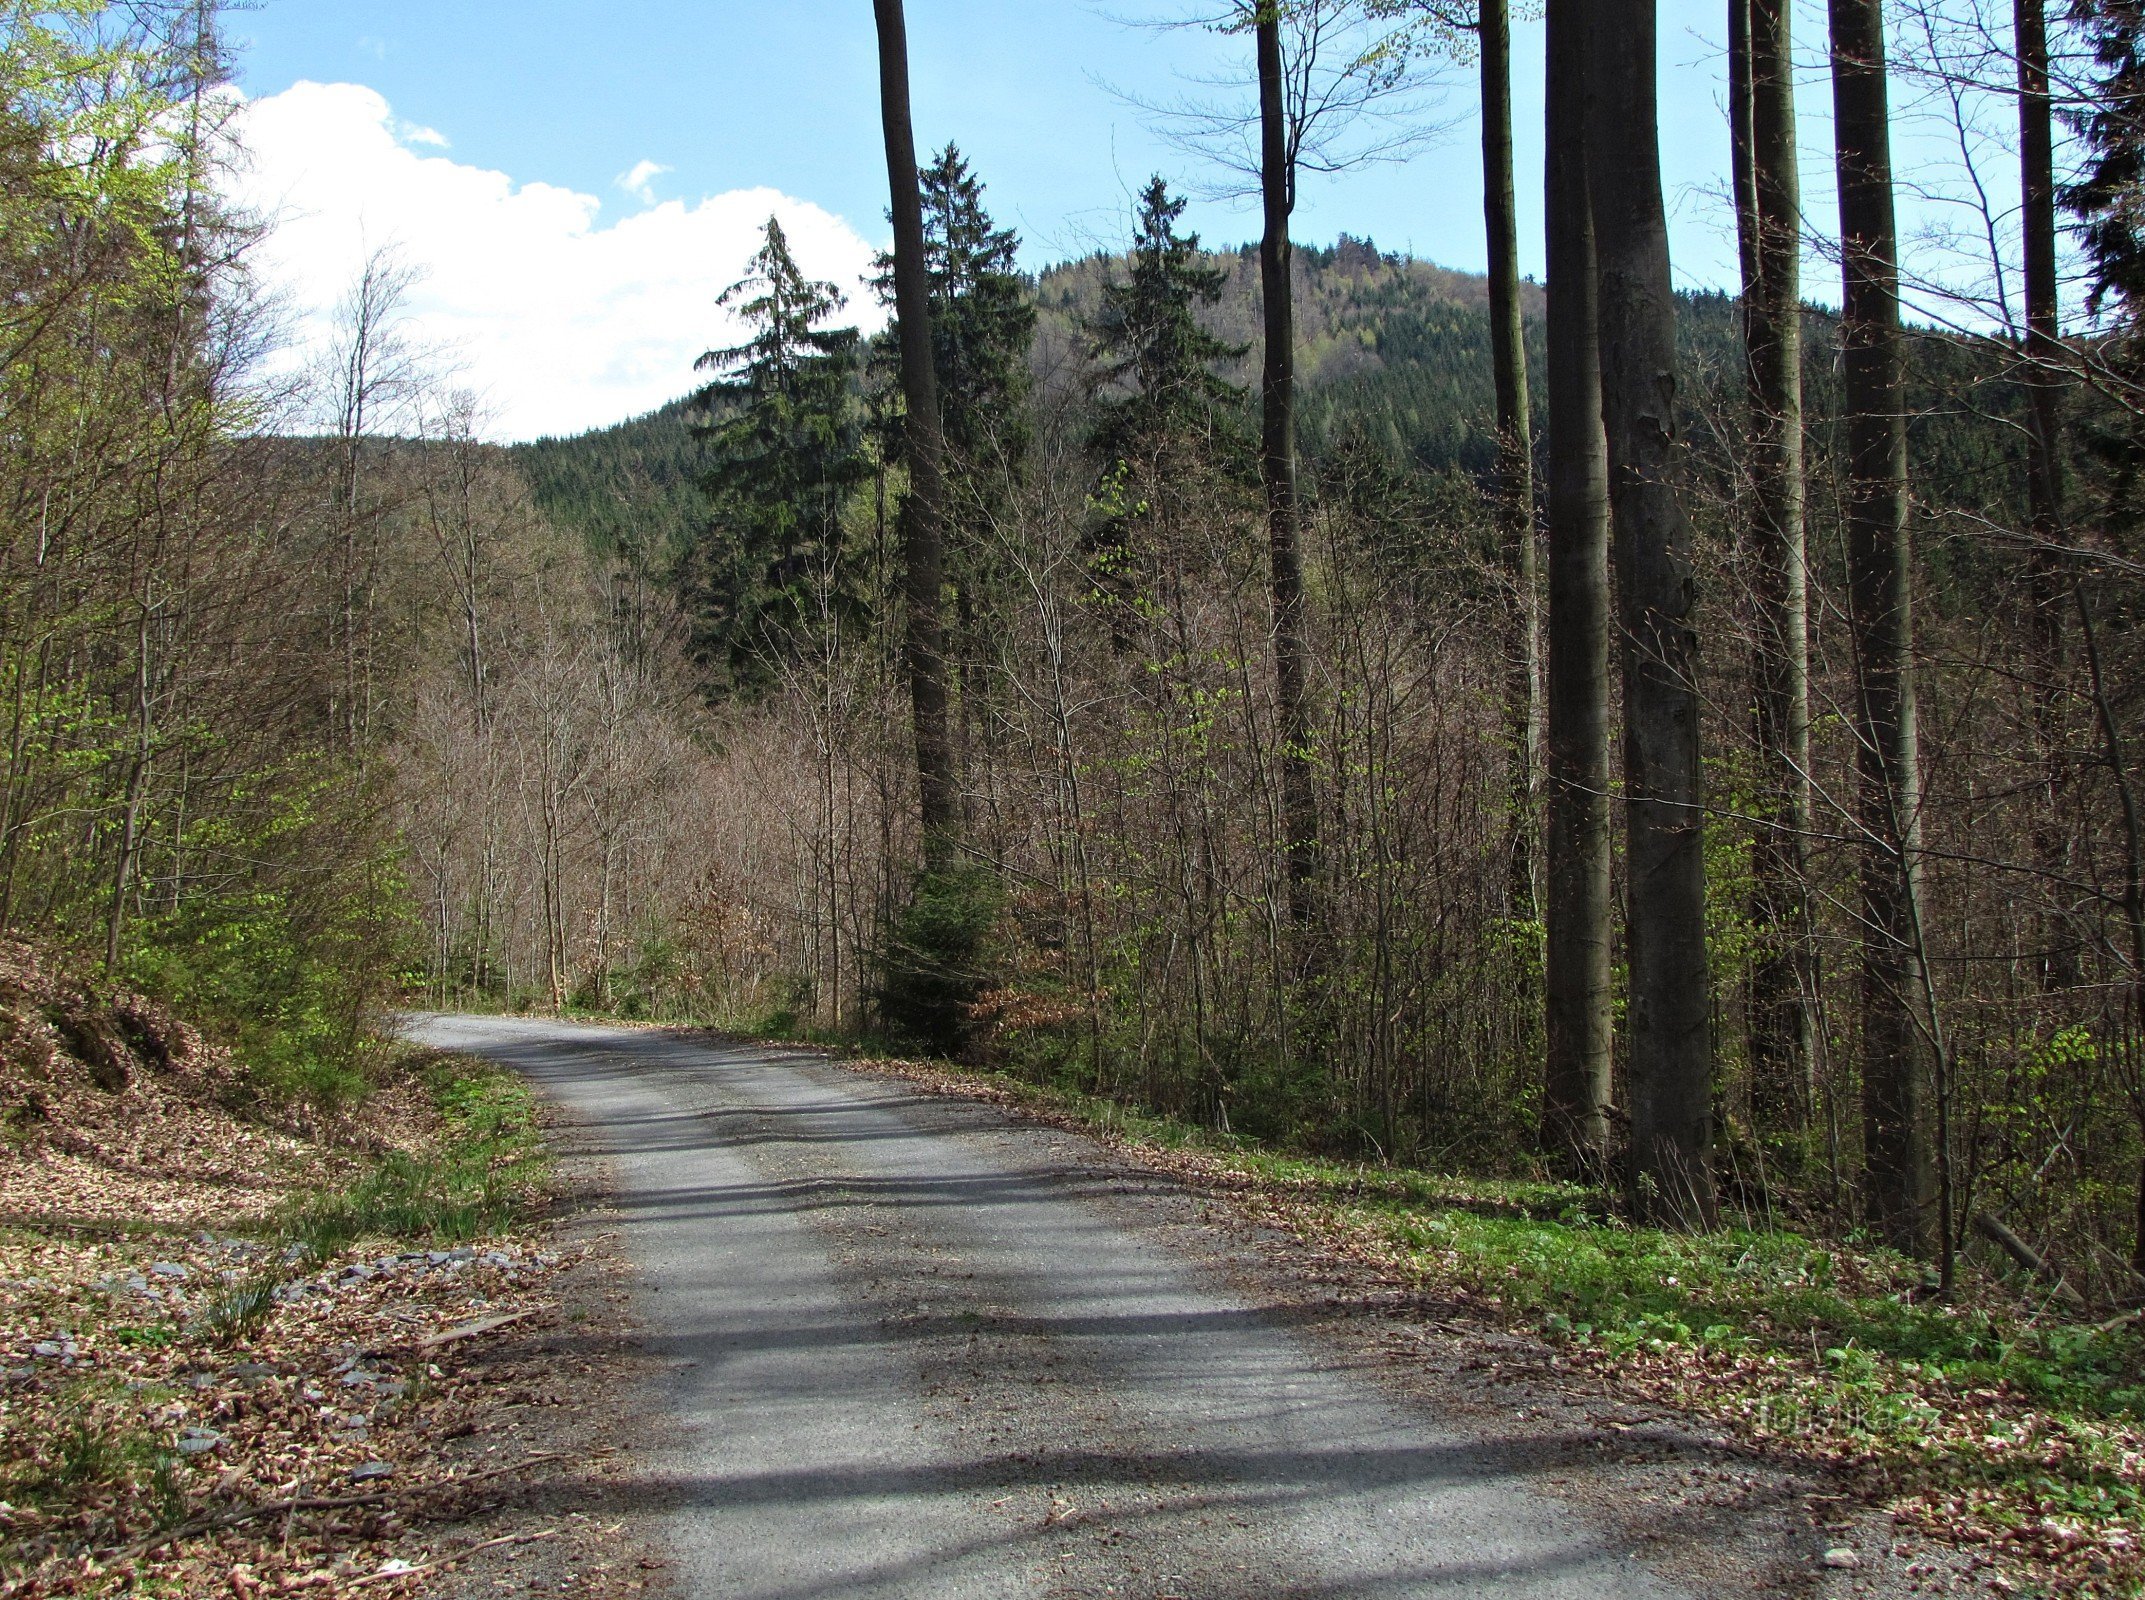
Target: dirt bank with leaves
{"x":252,"y":1348}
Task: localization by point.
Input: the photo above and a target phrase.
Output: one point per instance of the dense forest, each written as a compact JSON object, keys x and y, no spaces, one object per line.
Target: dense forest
{"x":1685,"y":742}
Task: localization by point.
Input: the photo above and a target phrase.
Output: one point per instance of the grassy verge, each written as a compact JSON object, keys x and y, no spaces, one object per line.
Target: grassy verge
{"x":1984,"y":1420}
{"x":475,"y":1175}
{"x":481,"y":1169}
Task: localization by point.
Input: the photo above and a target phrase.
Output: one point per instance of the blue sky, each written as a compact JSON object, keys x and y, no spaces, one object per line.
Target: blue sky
{"x":744,"y":93}
{"x":577,"y":182}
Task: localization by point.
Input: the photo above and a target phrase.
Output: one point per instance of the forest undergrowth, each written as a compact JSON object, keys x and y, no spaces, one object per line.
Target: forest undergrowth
{"x":245,"y":1338}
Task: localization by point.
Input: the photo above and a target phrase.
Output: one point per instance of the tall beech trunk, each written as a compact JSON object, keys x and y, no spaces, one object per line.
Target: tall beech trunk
{"x":1670,"y":1008}
{"x":2045,"y":591}
{"x":2037,"y":184}
{"x":1880,"y":597}
{"x":1769,"y":228}
{"x":1576,"y":975}
{"x":924,"y":512}
{"x":1515,"y":448}
{"x":1277,"y":469}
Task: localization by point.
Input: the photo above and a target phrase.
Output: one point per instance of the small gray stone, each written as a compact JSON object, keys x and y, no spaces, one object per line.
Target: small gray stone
{"x":1841,"y":1557}
{"x":169,"y":1269}
{"x":371,"y":1470}
{"x":198,"y":1441}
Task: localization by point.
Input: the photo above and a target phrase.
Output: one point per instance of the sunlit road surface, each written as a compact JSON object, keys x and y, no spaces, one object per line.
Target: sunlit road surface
{"x":915,"y":1350}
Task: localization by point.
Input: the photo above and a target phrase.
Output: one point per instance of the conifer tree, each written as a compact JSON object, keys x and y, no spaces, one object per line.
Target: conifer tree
{"x":2109,"y":197}
{"x":1156,"y":391}
{"x":783,"y":429}
{"x":982,"y":327}
{"x":982,"y":320}
{"x":1157,"y":375}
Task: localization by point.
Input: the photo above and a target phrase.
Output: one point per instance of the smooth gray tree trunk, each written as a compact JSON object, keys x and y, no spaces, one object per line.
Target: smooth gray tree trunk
{"x":1277,"y":470}
{"x":1577,"y":841}
{"x":2046,"y":593}
{"x":1670,"y":1000}
{"x":924,"y":512}
{"x":1515,"y":449}
{"x":1769,"y":216}
{"x":1896,"y":1197}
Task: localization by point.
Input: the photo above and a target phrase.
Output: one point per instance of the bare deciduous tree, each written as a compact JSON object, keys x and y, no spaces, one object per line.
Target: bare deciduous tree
{"x":1577,"y":843}
{"x":924,"y":513}
{"x":1670,"y":1009}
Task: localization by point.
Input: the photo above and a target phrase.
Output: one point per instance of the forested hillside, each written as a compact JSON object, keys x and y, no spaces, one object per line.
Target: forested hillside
{"x":1109,"y":729}
{"x":1396,"y":353}
{"x":624,"y":486}
{"x":1666,"y":762}
{"x":1396,"y":361}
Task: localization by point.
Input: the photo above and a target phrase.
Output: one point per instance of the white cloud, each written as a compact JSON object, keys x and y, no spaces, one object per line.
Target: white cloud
{"x":639,"y":182}
{"x":558,"y":319}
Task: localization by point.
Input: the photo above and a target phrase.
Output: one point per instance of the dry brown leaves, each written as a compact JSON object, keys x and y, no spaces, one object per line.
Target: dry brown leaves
{"x":187,"y":1405}
{"x":141,"y":1445}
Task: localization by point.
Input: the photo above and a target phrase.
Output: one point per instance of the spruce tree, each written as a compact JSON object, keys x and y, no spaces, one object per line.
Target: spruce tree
{"x":1156,"y":393}
{"x":1156,"y":378}
{"x":982,"y":327}
{"x":982,"y":324}
{"x":2109,"y":196}
{"x":982,"y":320}
{"x":782,"y":427}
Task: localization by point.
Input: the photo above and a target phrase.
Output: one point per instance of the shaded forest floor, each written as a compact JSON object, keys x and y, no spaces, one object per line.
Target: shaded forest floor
{"x":1996,"y":1447}
{"x":249,"y":1349}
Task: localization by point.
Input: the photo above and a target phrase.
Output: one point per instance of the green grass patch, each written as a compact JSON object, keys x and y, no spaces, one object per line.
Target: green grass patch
{"x":105,"y":1447}
{"x":1553,"y":1252}
{"x":481,"y":1171}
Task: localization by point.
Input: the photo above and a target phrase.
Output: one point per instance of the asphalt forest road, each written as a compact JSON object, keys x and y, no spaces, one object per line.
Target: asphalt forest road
{"x":917,"y":1356}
